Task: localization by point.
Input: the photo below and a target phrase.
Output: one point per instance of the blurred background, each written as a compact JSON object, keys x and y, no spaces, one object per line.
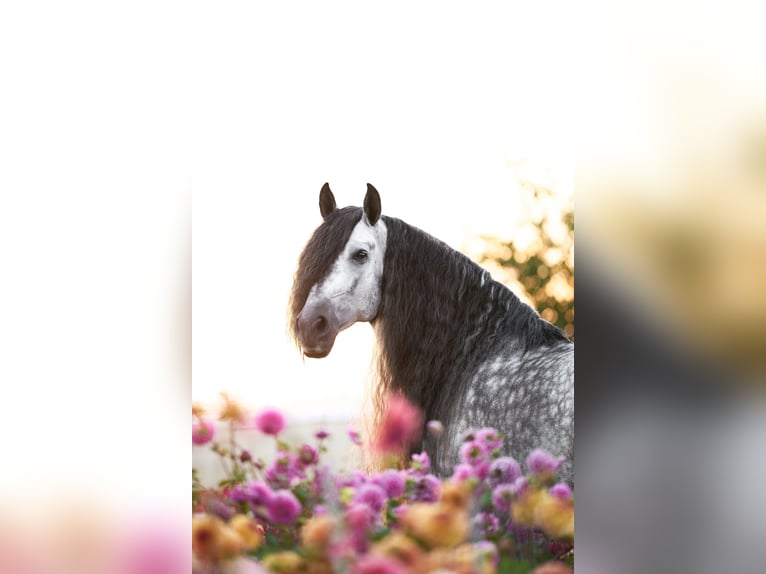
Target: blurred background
{"x":123,"y":124}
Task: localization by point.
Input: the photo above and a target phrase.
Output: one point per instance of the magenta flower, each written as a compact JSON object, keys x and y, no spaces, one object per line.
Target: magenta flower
{"x":356,"y":479}
{"x":420,"y":464}
{"x":489,"y":437}
{"x":307,"y":455}
{"x":543,"y":463}
{"x":486,"y":524}
{"x":354,"y":436}
{"x":372,"y":495}
{"x":400,"y":426}
{"x":503,"y":470}
{"x":519,"y":485}
{"x":474,"y":453}
{"x":502,"y":497}
{"x":463,"y":472}
{"x":322,"y":434}
{"x":427,"y":489}
{"x":391,"y":481}
{"x":372,"y":564}
{"x":284,"y":468}
{"x":202,"y":432}
{"x":284,"y":507}
{"x":359,"y":517}
{"x":562,"y":491}
{"x":270,"y":421}
{"x":258,"y":493}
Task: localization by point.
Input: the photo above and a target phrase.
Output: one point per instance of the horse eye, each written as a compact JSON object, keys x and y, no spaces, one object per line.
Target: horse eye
{"x":360,"y":255}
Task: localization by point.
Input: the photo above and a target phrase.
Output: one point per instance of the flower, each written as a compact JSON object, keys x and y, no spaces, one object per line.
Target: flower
{"x":322,"y":434}
{"x":436,"y":524}
{"x":283,"y":507}
{"x":435,"y":428}
{"x":400,"y":426}
{"x":463,"y":472}
{"x":270,"y":421}
{"x":427,"y":489}
{"x":489,"y":437}
{"x":474,"y":453}
{"x":354,"y":436}
{"x":372,"y":495}
{"x":503,"y":470}
{"x":543,"y":464}
{"x":486,"y":524}
{"x":250,"y":532}
{"x":202,"y":432}
{"x":378,"y":565}
{"x":392,"y":481}
{"x":420,"y":464}
{"x":231,"y":411}
{"x":456,"y":493}
{"x":562,"y":491}
{"x":317,"y":531}
{"x":502,"y":497}
{"x":307,"y":455}
{"x":258,"y":493}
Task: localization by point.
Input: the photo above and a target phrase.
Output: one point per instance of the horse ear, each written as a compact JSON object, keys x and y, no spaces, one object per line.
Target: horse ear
{"x":326,"y":201}
{"x":372,"y":205}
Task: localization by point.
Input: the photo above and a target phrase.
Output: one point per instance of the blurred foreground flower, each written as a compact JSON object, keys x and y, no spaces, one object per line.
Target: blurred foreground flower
{"x":270,"y":421}
{"x":399,"y":428}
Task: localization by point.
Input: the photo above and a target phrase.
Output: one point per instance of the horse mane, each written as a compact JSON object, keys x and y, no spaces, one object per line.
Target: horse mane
{"x":316,"y":259}
{"x":441,"y":314}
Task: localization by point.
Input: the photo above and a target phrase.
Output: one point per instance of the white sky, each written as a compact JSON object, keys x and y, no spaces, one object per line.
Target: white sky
{"x":291,"y":99}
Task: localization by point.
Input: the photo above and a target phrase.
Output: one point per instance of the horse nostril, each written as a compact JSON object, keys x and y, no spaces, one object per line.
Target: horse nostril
{"x":320,"y":324}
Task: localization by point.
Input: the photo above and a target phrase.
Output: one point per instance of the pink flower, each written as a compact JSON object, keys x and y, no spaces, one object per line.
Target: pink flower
{"x":307,"y":455}
{"x":372,"y":495}
{"x":400,"y":427}
{"x":202,"y":432}
{"x":502,"y":497}
{"x":378,"y":565}
{"x":270,"y":421}
{"x":420,"y":464}
{"x":486,"y":524}
{"x":474,"y":453}
{"x":541,"y":462}
{"x":435,"y":428}
{"x":427,"y":489}
{"x":489,"y":437}
{"x":562,"y":491}
{"x":503,"y":470}
{"x":392,"y":481}
{"x":284,"y":507}
{"x":463,"y":472}
{"x":354,"y":436}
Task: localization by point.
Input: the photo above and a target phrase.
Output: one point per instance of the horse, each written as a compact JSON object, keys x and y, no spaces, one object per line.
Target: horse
{"x":456,"y":343}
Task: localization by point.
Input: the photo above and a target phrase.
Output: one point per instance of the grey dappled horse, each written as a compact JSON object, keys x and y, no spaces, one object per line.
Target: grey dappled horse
{"x":454,"y":341}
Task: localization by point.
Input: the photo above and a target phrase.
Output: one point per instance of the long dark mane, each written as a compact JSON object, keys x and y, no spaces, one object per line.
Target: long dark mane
{"x":442,"y":315}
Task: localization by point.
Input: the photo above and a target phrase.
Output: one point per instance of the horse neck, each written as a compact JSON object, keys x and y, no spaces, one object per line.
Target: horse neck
{"x":439,"y":317}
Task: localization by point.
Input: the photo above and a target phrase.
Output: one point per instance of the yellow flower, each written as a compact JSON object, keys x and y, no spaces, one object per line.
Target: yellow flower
{"x":464,"y":559}
{"x":206,"y":535}
{"x":436,"y":524}
{"x":231,"y":411}
{"x":284,"y":562}
{"x":554,"y":516}
{"x":250,"y":533}
{"x":229,"y":543}
{"x":457,"y":494}
{"x":316,"y":533}
{"x":401,"y":548}
{"x":523,"y":508}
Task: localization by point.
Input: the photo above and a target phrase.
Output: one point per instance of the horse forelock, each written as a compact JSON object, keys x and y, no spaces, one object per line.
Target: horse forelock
{"x":319,"y":254}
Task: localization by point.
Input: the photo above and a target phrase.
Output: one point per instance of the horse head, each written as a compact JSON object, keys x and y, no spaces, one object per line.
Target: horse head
{"x":338,"y":282}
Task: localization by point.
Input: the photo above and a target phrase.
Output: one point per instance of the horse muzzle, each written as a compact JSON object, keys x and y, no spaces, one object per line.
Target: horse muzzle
{"x":316,"y":329}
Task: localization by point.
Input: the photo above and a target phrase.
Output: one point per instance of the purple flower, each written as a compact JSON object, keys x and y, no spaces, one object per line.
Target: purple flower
{"x":562,"y":491}
{"x":541,"y":462}
{"x":359,"y":517}
{"x":519,"y":485}
{"x":238,"y":494}
{"x":502,"y":497}
{"x":372,"y":495}
{"x":270,"y":421}
{"x":284,"y":507}
{"x":258,"y":493}
{"x":474,"y":453}
{"x":420,"y":464}
{"x":322,"y":434}
{"x":378,"y":565}
{"x":220,"y":509}
{"x":283,"y":470}
{"x":392,"y":481}
{"x":463,"y":472}
{"x":307,"y":455}
{"x":486,"y":524}
{"x":427,"y":489}
{"x":356,"y":479}
{"x":503,"y":470}
{"x":354,"y":436}
{"x":202,"y":432}
{"x":489,"y":437}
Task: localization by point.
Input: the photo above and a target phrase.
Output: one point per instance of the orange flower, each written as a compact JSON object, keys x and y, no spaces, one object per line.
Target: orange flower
{"x":401,"y":548}
{"x":316,"y":533}
{"x":249,"y":531}
{"x":554,"y":516}
{"x":523,"y":508}
{"x":436,"y":524}
{"x":457,"y":494}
